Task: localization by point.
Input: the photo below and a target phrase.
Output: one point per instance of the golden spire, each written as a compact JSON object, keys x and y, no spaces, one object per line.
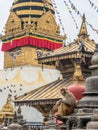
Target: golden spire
{"x":27,"y":18}
{"x":83,"y":30}
{"x":7,"y":110}
{"x":77,"y":76}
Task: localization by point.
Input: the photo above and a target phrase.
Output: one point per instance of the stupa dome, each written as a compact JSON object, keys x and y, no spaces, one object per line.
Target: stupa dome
{"x":31,"y":24}
{"x":32,"y":8}
{"x":77,"y":90}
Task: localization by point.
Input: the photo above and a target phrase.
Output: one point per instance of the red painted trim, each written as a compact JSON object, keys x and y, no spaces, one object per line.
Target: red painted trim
{"x":43,"y":43}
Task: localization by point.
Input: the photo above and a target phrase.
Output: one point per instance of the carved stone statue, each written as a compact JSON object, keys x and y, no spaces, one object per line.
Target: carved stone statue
{"x":66,"y":105}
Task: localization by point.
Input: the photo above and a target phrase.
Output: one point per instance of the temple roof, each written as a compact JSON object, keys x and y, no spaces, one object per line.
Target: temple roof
{"x":83,"y":44}
{"x":45,"y":94}
{"x":86,"y":47}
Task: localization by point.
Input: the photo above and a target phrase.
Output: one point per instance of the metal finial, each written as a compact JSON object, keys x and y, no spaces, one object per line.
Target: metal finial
{"x":19,"y":110}
{"x":15,"y":117}
{"x":83,"y":18}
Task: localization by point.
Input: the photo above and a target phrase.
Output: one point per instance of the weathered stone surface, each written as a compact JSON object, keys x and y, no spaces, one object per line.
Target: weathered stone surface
{"x":93,"y":124}
{"x":83,"y":117}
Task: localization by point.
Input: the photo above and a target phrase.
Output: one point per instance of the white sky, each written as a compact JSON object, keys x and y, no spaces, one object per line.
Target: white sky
{"x":82,"y":5}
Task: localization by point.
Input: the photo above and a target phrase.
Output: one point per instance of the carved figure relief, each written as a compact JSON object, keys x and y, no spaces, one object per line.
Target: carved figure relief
{"x":47,"y":23}
{"x":13,"y":24}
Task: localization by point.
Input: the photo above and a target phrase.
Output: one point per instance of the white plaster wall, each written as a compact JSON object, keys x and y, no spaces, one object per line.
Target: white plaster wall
{"x":16,"y":81}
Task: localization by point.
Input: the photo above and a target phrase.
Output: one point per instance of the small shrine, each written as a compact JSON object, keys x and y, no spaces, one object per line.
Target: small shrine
{"x":14,"y":124}
{"x":7,"y":112}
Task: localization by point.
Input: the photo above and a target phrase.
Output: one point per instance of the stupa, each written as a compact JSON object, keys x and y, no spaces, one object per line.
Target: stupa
{"x":31,"y":27}
{"x":7,"y":112}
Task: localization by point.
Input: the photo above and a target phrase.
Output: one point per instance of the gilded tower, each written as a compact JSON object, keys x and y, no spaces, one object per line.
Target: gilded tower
{"x":31,"y":29}
{"x":31,"y":26}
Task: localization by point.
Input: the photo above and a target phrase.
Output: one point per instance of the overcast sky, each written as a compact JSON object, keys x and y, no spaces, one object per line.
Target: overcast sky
{"x":69,"y":25}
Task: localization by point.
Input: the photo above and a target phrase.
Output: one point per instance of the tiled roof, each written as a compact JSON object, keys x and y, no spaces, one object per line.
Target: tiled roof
{"x":47,"y":92}
{"x":87,"y":47}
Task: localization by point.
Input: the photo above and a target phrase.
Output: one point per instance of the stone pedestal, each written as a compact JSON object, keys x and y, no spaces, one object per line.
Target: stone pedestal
{"x":50,"y":124}
{"x":93,"y":124}
{"x":63,"y":127}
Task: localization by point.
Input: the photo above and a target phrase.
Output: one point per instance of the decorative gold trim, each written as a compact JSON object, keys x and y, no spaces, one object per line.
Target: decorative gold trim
{"x":27,"y":4}
{"x":36,"y":32}
{"x":31,"y":4}
{"x":78,"y":75}
{"x":21,"y":12}
{"x":63,"y":56}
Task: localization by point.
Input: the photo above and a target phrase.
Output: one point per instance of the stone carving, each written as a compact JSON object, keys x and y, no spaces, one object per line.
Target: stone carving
{"x":50,"y":123}
{"x":94,"y":60}
{"x":14,"y":124}
{"x":73,"y":123}
{"x":94,"y":123}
